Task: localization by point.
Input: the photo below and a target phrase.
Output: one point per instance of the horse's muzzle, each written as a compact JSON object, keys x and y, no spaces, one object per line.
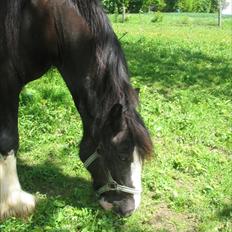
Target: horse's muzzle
{"x":124,"y":207}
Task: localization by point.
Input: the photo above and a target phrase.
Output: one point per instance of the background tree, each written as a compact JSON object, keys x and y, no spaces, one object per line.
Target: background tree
{"x":134,"y":6}
{"x":185,"y":5}
{"x":155,"y":5}
{"x":125,"y":4}
{"x":170,"y":5}
{"x":109,"y":5}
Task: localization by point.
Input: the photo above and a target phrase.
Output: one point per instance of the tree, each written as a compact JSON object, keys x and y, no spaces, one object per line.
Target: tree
{"x":161,"y":5}
{"x":109,"y":5}
{"x":155,"y":5}
{"x":185,"y":5}
{"x":170,"y":5}
{"x":125,"y":4}
{"x":202,"y":6}
{"x":118,"y":6}
{"x":135,"y":6}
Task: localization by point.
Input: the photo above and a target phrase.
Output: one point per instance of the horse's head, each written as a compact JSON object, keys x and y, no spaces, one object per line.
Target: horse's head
{"x":116,"y":165}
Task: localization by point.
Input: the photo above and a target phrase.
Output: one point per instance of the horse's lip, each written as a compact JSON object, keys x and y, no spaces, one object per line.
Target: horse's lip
{"x":114,"y":207}
{"x":105,"y":204}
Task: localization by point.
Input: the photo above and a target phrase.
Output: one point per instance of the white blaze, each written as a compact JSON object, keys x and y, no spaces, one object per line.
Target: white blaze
{"x":13,"y":201}
{"x":136,"y":170}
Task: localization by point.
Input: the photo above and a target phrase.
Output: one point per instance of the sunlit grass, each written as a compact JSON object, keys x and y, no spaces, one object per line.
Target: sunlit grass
{"x":184,"y":71}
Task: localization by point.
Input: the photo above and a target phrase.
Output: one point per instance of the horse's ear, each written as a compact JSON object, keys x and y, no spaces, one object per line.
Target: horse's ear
{"x":115,"y":118}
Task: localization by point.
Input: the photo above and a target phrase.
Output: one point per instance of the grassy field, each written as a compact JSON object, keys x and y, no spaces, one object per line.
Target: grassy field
{"x":183,"y":65}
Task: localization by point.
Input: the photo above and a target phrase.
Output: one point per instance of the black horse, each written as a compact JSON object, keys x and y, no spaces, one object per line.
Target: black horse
{"x":76,"y":37}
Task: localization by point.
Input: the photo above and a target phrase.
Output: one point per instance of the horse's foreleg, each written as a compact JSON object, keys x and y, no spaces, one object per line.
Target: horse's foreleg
{"x":13,"y":200}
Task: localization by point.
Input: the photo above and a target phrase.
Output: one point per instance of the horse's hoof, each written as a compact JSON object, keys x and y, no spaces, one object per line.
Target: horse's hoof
{"x":18,"y":204}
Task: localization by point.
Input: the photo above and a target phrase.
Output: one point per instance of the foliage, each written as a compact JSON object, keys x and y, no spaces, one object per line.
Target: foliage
{"x":170,"y":5}
{"x":109,"y":5}
{"x":134,"y":6}
{"x":185,"y":5}
{"x":115,"y":5}
{"x":214,"y":5}
{"x":202,"y":6}
{"x":184,"y":74}
{"x":198,"y":5}
{"x":194,"y":5}
{"x":155,"y":5}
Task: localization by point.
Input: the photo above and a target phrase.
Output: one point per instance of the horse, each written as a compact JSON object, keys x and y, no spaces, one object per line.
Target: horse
{"x":76,"y":37}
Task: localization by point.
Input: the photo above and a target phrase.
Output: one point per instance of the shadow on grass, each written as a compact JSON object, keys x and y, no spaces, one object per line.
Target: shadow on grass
{"x":49,"y":179}
{"x":61,"y":191}
{"x":177,"y":67}
{"x":225,"y":212}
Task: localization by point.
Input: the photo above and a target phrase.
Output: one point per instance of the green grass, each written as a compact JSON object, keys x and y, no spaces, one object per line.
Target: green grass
{"x":184,"y":71}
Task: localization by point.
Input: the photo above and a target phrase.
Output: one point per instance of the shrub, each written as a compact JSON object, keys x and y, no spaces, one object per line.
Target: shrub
{"x":194,"y":5}
{"x":202,"y":6}
{"x":154,"y":5}
{"x":185,"y":5}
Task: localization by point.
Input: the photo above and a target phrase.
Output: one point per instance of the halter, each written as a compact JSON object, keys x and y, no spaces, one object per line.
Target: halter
{"x":111,"y":185}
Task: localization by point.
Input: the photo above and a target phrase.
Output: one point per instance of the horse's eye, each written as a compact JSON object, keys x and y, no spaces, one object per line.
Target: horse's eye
{"x":123,"y":157}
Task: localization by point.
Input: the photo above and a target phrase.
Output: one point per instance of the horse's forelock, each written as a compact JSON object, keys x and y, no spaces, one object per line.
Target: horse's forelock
{"x":140,"y":135}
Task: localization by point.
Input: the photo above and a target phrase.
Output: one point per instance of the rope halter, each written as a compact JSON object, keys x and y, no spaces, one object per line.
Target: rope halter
{"x":111,"y":185}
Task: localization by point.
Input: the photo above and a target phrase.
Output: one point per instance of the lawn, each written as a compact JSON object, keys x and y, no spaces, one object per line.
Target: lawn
{"x":183,"y":66}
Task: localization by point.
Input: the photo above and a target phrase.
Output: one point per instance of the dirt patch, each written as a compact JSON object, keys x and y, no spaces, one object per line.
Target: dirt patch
{"x":166,"y":220}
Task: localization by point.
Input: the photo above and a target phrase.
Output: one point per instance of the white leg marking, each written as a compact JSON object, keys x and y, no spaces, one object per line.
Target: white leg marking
{"x":136,"y":170}
{"x":13,"y":200}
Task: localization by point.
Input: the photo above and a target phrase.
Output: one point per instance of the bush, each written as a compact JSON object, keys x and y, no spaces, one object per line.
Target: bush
{"x":192,"y":5}
{"x":109,"y":5}
{"x":154,"y":5}
{"x":185,"y":5}
{"x":170,"y":5}
{"x":202,"y":6}
{"x":135,"y":6}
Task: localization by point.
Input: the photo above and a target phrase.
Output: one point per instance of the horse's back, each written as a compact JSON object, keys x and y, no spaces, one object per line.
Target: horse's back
{"x":44,"y":32}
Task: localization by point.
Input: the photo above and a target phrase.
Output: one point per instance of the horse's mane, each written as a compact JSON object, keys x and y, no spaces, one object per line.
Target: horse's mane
{"x":112,"y":74}
{"x":112,"y":68}
{"x":111,"y":84}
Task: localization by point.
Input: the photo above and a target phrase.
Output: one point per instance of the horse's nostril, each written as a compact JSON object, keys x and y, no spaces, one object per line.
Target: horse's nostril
{"x":124,"y":208}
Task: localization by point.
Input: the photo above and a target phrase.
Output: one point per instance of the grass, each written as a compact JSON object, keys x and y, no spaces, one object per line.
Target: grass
{"x":184,"y":71}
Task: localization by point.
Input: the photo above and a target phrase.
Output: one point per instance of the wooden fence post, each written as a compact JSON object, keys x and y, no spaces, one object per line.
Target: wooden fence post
{"x":123,"y":13}
{"x":219,"y":13}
